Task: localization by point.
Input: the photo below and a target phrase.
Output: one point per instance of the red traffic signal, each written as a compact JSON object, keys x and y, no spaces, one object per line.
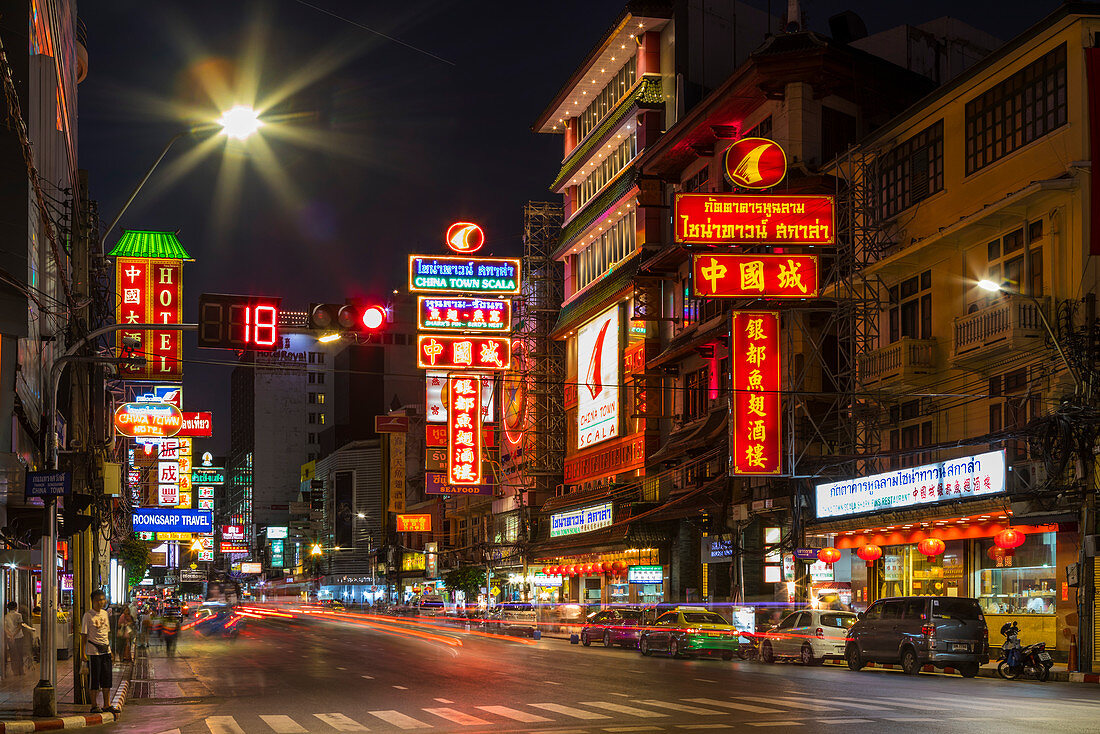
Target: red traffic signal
{"x":359,"y":318}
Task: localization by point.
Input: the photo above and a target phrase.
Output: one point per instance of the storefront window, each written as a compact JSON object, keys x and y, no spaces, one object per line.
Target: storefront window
{"x":908,"y":572}
{"x":1021,"y":582}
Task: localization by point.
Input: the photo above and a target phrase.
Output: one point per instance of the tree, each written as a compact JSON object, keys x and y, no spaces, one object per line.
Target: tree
{"x":135,"y":556}
{"x":468,"y":579}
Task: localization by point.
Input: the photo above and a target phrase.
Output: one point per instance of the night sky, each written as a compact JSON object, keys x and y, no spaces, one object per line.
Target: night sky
{"x":397,"y":144}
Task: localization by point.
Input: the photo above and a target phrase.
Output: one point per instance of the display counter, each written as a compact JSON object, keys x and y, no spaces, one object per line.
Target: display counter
{"x":1033,"y":628}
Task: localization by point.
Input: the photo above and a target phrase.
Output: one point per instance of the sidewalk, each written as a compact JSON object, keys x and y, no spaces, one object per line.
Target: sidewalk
{"x":16,"y":706}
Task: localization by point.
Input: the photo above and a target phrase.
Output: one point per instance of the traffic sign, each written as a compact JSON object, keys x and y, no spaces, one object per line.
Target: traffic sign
{"x":48,"y":484}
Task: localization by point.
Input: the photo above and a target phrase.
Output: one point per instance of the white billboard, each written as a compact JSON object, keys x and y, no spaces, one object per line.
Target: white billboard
{"x":598,"y":378}
{"x":956,"y":479}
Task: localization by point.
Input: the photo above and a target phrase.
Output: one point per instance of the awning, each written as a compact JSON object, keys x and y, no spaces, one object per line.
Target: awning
{"x":597,"y":298}
{"x":702,"y":436}
{"x":891,"y":520}
{"x":575,"y":499}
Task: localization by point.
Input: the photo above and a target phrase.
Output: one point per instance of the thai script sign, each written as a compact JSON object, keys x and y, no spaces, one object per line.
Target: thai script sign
{"x":197,"y":424}
{"x":450,"y":313}
{"x":729,"y":219}
{"x":414,"y":524}
{"x":580,"y":521}
{"x":466,"y":274}
{"x":955,"y":479}
{"x":756,"y":446}
{"x":645,"y":574}
{"x":755,"y":276}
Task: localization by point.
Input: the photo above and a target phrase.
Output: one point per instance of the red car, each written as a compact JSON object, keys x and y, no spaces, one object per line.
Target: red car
{"x":621,"y":626}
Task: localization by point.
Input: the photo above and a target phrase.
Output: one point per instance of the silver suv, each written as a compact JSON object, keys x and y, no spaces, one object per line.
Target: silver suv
{"x":943,"y":631}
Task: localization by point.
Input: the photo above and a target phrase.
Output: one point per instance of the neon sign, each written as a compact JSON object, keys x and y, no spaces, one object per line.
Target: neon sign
{"x":756,"y":443}
{"x":755,"y":276}
{"x":414,"y":524}
{"x":465,"y":237}
{"x":435,"y":351}
{"x":469,"y":274}
{"x":755,"y":163}
{"x":730,"y":219}
{"x":148,"y":420}
{"x":454,"y":313}
{"x":238,"y":322}
{"x":464,"y":429}
{"x":149,"y":291}
{"x":197,"y":424}
{"x":598,"y":378}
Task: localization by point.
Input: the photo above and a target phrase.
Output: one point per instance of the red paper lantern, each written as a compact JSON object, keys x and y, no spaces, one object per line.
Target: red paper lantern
{"x":1009,"y":539}
{"x":619,"y":566}
{"x":828,"y":555}
{"x":996,"y":553}
{"x":591,"y":568}
{"x":931,"y":547}
{"x":551,"y":571}
{"x":605,"y":566}
{"x":869,"y":553}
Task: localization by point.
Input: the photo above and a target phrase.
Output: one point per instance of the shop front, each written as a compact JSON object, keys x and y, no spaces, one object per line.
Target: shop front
{"x":632,"y":576}
{"x":930,"y":541}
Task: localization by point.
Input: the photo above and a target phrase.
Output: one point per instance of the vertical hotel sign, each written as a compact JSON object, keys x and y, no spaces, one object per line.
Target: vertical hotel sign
{"x":756,"y":445}
{"x":464,"y":429}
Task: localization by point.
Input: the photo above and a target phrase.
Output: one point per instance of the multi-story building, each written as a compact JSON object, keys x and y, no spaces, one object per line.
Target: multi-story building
{"x":987,"y":180}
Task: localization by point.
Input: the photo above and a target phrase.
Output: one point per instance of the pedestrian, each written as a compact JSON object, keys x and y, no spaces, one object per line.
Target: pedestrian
{"x":126,"y":633}
{"x":14,"y":626}
{"x":95,"y":633}
{"x":171,"y":629}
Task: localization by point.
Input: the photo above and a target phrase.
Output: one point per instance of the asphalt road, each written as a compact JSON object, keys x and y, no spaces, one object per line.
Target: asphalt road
{"x":289,"y":677}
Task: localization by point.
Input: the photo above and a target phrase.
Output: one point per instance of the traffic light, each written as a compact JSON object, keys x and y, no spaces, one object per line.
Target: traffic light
{"x":72,"y":519}
{"x":358,"y":318}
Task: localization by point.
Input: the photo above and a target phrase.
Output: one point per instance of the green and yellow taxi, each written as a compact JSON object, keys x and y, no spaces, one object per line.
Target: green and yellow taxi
{"x":689,"y":631}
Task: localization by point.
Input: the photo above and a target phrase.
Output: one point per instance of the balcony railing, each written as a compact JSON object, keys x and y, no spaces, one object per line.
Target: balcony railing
{"x":898,"y":364}
{"x":1011,"y":323}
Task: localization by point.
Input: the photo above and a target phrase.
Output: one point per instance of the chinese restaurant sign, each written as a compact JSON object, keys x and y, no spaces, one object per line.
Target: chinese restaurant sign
{"x":436,"y":392}
{"x":464,"y":429}
{"x":489,"y":275}
{"x":435,"y":435}
{"x":730,"y":219}
{"x":458,"y":352}
{"x":580,"y":521}
{"x":956,"y":479}
{"x":760,"y":276}
{"x":756,"y":442}
{"x":150,"y":291}
{"x":414,"y":524}
{"x":598,"y":379}
{"x":458,"y":313}
{"x":436,"y":484}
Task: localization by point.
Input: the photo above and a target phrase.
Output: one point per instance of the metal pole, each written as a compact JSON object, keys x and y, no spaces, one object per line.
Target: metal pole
{"x":45,"y":693}
{"x":134,"y":193}
{"x":1053,"y":338}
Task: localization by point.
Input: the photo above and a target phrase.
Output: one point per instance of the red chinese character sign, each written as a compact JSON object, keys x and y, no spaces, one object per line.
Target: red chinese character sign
{"x":755,"y":425}
{"x":755,"y":163}
{"x":150,"y":291}
{"x":731,"y":219}
{"x":461,"y":352}
{"x":755,"y":276}
{"x":464,"y":429}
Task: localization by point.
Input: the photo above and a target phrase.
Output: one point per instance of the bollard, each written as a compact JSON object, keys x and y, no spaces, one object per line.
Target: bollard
{"x":574,"y":639}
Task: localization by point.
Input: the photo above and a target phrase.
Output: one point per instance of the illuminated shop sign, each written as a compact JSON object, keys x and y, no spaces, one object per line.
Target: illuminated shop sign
{"x":955,"y":479}
{"x":148,"y":420}
{"x":437,"y":484}
{"x":456,"y":313}
{"x":412,"y":561}
{"x":755,"y":276}
{"x":490,"y":275}
{"x":150,"y":291}
{"x":580,"y":521}
{"x":774,"y":219}
{"x":233,"y":548}
{"x":171,"y":520}
{"x":754,"y":428}
{"x":645,"y":574}
{"x":197,"y":424}
{"x":208,"y":475}
{"x":755,"y":163}
{"x":598,"y":378}
{"x":464,"y":237}
{"x":252,"y":568}
{"x":462,"y":352}
{"x":278,"y":532}
{"x":435,"y":397}
{"x":414,"y":524}
{"x":541,"y":579}
{"x":464,"y":429}
{"x":233,"y":532}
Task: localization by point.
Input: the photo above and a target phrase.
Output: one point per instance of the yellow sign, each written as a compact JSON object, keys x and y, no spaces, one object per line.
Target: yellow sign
{"x":397,"y":472}
{"x":412,"y":562}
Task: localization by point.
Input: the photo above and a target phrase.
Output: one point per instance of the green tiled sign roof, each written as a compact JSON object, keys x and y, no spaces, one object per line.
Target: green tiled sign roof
{"x":142,"y":243}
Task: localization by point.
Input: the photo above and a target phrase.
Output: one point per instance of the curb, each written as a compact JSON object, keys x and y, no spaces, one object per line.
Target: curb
{"x":76,"y":721}
{"x":1057,"y":676}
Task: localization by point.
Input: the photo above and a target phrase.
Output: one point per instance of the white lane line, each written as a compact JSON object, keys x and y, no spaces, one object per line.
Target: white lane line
{"x":913,"y":718}
{"x":223,"y":725}
{"x":774,"y":723}
{"x":514,"y":714}
{"x":788,"y":703}
{"x":706,"y":680}
{"x":171,"y":731}
{"x":457,"y":717}
{"x":844,"y":721}
{"x":613,"y":693}
{"x":681,"y":707}
{"x":282,"y":724}
{"x":620,"y":709}
{"x":557,"y":708}
{"x":341,"y":668}
{"x":339,"y":722}
{"x":844,"y":701}
{"x":703,"y":726}
{"x":733,"y":705}
{"x":631,"y":728}
{"x":444,"y":700}
{"x":369,"y":677}
{"x":401,"y":688}
{"x":400,"y":720}
{"x":552,"y":682}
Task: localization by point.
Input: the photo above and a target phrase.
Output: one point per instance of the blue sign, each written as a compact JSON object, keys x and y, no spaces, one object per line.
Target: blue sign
{"x":806,"y":554}
{"x":49,"y":484}
{"x":172,"y":520}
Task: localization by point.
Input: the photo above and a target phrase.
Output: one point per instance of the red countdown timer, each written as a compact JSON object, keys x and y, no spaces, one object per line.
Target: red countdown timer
{"x":238,"y":322}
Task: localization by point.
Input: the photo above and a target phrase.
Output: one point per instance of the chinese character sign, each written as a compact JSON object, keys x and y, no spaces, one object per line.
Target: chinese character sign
{"x":150,"y":291}
{"x":464,"y":429}
{"x":759,"y":276}
{"x":755,"y":425}
{"x":463,"y":352}
{"x":464,"y":314}
{"x":436,"y":397}
{"x":729,"y":219}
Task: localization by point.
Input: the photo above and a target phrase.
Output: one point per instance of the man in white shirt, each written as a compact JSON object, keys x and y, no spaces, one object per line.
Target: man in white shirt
{"x":13,"y":636}
{"x":95,"y":634}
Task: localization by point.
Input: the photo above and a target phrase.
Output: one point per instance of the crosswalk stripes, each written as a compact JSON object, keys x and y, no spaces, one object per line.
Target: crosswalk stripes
{"x":734,"y":705}
{"x":789,"y":703}
{"x":849,"y":704}
{"x":400,"y":720}
{"x":339,"y":722}
{"x":513,"y":714}
{"x":457,"y":716}
{"x":857,"y":704}
{"x":282,"y":724}
{"x":681,"y":708}
{"x":621,"y":709}
{"x":223,"y":725}
{"x":557,"y":708}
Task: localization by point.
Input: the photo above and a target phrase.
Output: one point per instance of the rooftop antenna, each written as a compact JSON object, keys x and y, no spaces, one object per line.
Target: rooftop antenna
{"x":794,"y":17}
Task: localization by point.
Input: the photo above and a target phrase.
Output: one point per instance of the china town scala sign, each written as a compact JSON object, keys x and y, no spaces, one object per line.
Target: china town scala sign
{"x":148,"y":420}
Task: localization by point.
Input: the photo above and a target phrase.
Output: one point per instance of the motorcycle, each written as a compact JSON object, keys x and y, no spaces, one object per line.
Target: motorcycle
{"x":1018,"y":660}
{"x":748,"y":648}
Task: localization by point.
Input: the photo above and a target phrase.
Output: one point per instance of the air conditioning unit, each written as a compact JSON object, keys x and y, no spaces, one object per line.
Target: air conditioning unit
{"x":1030,"y":474}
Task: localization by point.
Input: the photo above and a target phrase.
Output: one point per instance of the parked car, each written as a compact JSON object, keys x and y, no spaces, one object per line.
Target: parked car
{"x":690,"y":630}
{"x":332,"y":605}
{"x":620,"y":626}
{"x":810,"y":635}
{"x":919,"y":630}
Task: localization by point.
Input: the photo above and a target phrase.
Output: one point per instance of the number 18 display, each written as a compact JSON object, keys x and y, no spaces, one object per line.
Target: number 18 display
{"x":238,"y":322}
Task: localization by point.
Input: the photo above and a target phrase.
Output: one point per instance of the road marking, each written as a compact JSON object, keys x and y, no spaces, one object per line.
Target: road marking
{"x":844,"y":721}
{"x":339,"y":722}
{"x":613,"y":693}
{"x":341,"y":668}
{"x":909,"y":718}
{"x":282,"y":724}
{"x":400,"y":720}
{"x":557,"y":708}
{"x":681,"y":707}
{"x":632,"y":728}
{"x":868,"y":707}
{"x":733,"y":705}
{"x":702,"y":726}
{"x":774,"y":723}
{"x":171,"y":731}
{"x":552,"y":682}
{"x":369,"y":677}
{"x":620,"y":709}
{"x":444,"y":700}
{"x":457,"y":717}
{"x":706,"y":680}
{"x":788,"y":702}
{"x":401,"y":688}
{"x":223,"y":725}
{"x":513,"y":714}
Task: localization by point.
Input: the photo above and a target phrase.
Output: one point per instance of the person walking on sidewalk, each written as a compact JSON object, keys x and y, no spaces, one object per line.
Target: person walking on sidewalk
{"x":14,"y":627}
{"x":171,"y":630}
{"x":126,"y":633}
{"x":95,"y":633}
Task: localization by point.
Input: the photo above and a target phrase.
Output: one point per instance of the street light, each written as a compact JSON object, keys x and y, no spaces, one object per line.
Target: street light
{"x":988,"y":285}
{"x":240,"y":122}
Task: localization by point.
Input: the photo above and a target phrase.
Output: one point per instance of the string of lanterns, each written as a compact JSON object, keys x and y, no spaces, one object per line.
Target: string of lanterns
{"x":1004,"y":543}
{"x":607,"y":568}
